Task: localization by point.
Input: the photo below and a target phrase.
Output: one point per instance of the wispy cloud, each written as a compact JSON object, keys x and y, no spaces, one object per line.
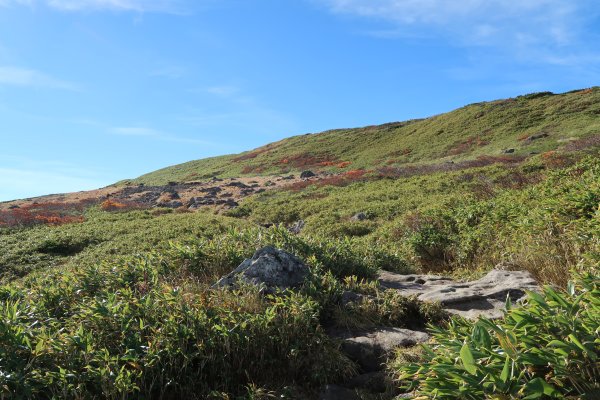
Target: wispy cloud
{"x":243,"y":112}
{"x":170,"y":72}
{"x":226,"y":91}
{"x":528,"y":28}
{"x":16,"y":76}
{"x":24,"y":177}
{"x":140,"y":6}
{"x":145,"y":132}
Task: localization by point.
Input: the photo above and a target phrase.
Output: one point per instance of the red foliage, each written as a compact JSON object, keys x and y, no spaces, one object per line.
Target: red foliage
{"x":114,"y":205}
{"x":254,"y":153}
{"x":307,"y":160}
{"x":468,"y":144}
{"x":412,"y":170}
{"x":552,"y":159}
{"x":343,"y":179}
{"x":51,"y":213}
{"x":592,"y":141}
{"x":249,"y":169}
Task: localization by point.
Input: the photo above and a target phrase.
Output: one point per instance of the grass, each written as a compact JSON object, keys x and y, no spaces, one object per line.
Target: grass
{"x":475,"y":130}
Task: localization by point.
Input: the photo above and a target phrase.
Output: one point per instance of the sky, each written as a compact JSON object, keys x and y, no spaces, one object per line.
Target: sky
{"x":96,"y":91}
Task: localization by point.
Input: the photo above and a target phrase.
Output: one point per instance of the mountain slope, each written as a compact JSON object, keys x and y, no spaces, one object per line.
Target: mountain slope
{"x":480,"y":129}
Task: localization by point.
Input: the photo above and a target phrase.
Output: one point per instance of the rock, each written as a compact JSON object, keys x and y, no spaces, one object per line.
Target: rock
{"x":537,"y":136}
{"x":170,"y":204}
{"x":238,"y":184}
{"x":307,"y":174}
{"x":484,"y":297}
{"x":351,"y":297}
{"x":296,"y":227}
{"x":335,"y":392}
{"x":507,"y":151}
{"x":211,"y":190}
{"x":377,"y":382}
{"x":269,"y":267}
{"x":231,"y":203}
{"x":371,"y":349}
{"x":361,"y":216}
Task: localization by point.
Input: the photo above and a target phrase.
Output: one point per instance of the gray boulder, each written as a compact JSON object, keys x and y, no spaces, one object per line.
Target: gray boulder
{"x":307,"y":174}
{"x":296,"y":227}
{"x":371,"y":349}
{"x":270,"y":268}
{"x":483,"y":297}
{"x":361,"y":216}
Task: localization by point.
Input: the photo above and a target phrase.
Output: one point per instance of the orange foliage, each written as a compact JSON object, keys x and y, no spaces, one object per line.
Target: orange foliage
{"x":51,"y":213}
{"x":344,"y":164}
{"x":112,"y":205}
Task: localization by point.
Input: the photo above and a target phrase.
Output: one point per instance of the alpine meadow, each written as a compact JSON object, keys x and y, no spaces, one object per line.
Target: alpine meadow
{"x":450,"y":257}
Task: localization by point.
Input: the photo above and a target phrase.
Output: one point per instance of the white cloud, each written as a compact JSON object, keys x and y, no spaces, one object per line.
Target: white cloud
{"x":225,"y":91}
{"x":139,"y":131}
{"x":141,"y":6}
{"x":16,"y":76}
{"x":479,"y":22}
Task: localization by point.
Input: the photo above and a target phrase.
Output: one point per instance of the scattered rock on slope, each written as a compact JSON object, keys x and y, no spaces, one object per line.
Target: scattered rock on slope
{"x":361,"y":216}
{"x":269,"y":267}
{"x":307,"y":174}
{"x":484,"y":297}
{"x":370,"y":349}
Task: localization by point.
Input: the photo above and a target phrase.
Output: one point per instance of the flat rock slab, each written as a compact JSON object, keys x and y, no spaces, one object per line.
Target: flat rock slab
{"x":483,"y":297}
{"x":370,"y":349}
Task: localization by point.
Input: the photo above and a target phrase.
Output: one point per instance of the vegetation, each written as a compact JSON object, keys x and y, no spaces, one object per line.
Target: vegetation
{"x":108,"y":300}
{"x":476,"y":130}
{"x":549,"y":348}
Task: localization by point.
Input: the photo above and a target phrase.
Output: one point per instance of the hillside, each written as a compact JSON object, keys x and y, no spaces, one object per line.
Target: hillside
{"x":444,"y":221}
{"x":481,"y":129}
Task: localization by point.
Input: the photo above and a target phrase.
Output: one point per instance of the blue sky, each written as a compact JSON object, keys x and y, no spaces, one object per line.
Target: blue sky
{"x":95,"y":91}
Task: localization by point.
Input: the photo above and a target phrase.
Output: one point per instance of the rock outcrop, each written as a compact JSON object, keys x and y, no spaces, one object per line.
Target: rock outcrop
{"x":484,"y":297}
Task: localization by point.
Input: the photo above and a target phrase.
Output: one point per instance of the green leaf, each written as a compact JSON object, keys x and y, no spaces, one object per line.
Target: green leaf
{"x":505,"y":370}
{"x":591,"y":354}
{"x":537,"y":387}
{"x":467,"y":358}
